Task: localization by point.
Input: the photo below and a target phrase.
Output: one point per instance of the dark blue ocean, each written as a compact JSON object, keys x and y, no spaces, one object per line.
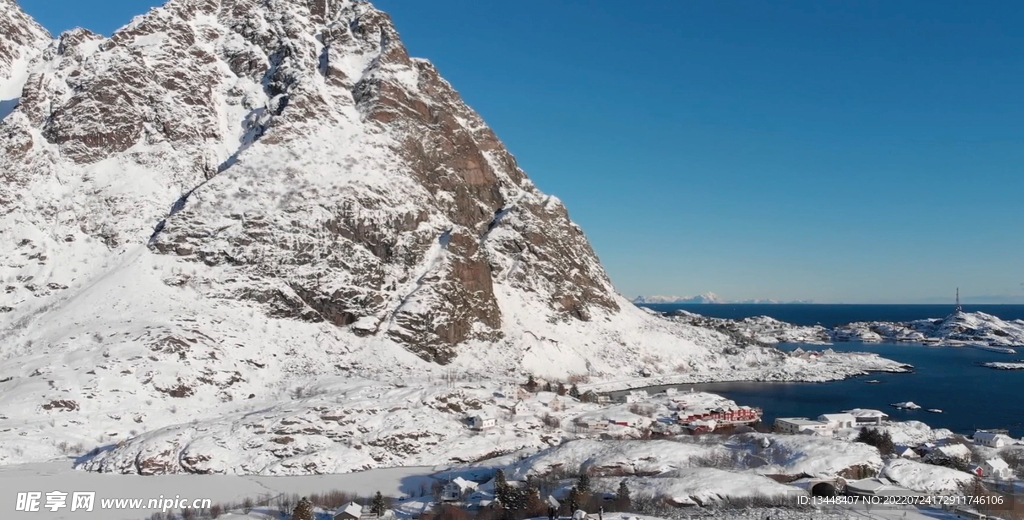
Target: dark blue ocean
{"x":831,"y":315}
{"x":947,"y":378}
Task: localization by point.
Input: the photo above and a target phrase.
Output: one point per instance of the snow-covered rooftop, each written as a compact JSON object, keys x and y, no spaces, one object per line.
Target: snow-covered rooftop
{"x":866,"y":413}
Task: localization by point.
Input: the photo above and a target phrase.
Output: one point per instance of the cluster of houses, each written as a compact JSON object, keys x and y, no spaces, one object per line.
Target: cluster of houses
{"x":992,"y":468}
{"x":828,"y":424}
{"x":698,"y":415}
{"x":693,"y":412}
{"x":702,"y":421}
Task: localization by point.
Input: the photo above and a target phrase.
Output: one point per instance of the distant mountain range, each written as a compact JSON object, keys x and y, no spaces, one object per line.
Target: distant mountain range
{"x":708,"y":297}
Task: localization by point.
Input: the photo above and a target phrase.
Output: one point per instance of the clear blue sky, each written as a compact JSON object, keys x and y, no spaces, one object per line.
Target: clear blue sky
{"x":859,"y":151}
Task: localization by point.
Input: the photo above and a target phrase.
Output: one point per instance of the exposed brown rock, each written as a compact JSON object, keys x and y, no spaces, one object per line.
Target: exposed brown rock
{"x":63,"y":405}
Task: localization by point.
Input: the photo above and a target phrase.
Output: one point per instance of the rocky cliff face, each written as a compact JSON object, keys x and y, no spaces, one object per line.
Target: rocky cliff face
{"x":20,"y":36}
{"x":21,"y":40}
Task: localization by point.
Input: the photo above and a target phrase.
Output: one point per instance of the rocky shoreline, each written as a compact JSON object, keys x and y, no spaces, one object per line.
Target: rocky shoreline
{"x":959,"y":329}
{"x":1013,"y":365}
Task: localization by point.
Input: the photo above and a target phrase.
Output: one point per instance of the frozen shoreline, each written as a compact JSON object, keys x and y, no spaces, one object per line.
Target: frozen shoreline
{"x":1012,"y":365}
{"x":850,"y":371}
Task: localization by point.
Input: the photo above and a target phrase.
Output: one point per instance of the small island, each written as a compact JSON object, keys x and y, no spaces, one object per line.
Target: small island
{"x":1014,"y":365}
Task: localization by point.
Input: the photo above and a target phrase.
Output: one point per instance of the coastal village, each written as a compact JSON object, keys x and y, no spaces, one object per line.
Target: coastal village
{"x":956,"y":462}
{"x":622,"y":449}
{"x":651,"y":452}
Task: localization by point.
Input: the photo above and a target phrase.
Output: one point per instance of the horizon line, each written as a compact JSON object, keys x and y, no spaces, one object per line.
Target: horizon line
{"x":951,"y":304}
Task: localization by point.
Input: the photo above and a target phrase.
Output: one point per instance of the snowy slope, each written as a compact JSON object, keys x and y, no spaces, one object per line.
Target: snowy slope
{"x":927,"y":478}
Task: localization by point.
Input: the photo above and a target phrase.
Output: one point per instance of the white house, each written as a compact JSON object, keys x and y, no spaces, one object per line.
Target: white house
{"x":952,"y":451}
{"x":553,"y":503}
{"x":906,"y":452}
{"x":997,"y":468}
{"x":592,"y":424}
{"x":801,"y":425}
{"x":456,"y":489}
{"x":864,"y":416}
{"x":629,"y":419}
{"x":349,"y":511}
{"x":482,"y":421}
{"x":992,"y":439}
{"x":635,"y":396}
{"x":838,"y":420}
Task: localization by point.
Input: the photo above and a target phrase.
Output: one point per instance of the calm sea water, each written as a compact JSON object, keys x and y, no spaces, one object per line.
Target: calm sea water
{"x":831,"y":315}
{"x":947,"y":378}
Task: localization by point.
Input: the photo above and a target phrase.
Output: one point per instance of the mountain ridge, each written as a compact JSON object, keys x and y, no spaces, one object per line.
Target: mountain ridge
{"x":22,"y":39}
{"x":705,"y":298}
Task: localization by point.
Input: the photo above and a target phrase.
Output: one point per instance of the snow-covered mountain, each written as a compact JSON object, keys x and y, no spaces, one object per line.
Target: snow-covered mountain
{"x":227,"y":201}
{"x":708,"y":297}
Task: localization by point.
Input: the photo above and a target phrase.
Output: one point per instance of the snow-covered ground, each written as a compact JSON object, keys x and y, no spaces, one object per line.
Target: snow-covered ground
{"x":373,"y":430}
{"x":699,"y":486}
{"x":926,"y":478}
{"x":905,"y":433}
{"x":124,"y":360}
{"x":755,"y":454}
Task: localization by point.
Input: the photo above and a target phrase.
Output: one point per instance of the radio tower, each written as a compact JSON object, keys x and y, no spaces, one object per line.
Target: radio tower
{"x":959,"y":309}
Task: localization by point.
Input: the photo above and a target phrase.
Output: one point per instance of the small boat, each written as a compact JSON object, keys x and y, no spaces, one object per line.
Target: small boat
{"x":873,"y":381}
{"x":934,"y":410}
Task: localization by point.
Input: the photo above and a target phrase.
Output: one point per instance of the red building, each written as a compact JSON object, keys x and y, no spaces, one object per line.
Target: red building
{"x":743,"y":414}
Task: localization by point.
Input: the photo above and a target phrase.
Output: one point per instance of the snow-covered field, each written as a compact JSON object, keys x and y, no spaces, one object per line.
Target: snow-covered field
{"x":926,"y":478}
